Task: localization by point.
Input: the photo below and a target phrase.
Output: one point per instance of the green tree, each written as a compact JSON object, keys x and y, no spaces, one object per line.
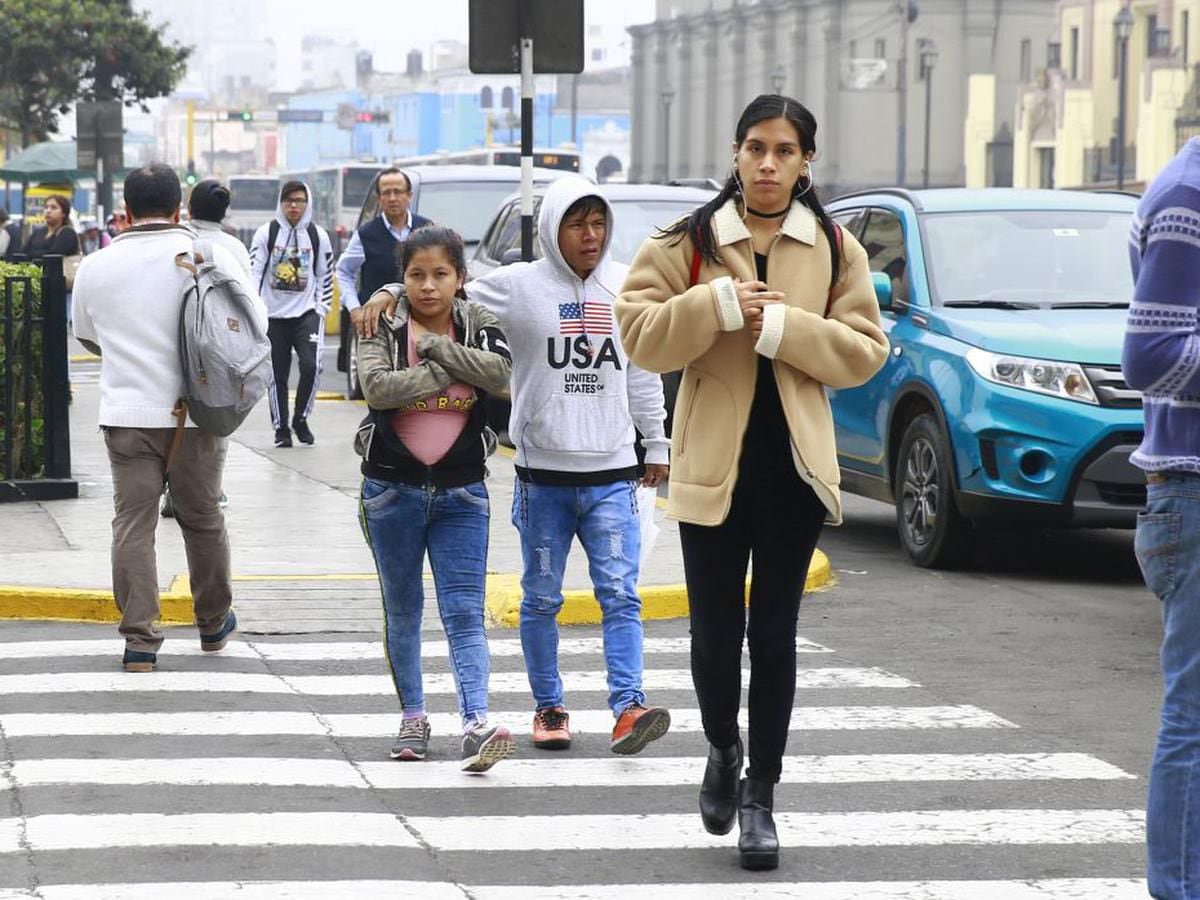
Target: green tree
{"x":55,"y":52}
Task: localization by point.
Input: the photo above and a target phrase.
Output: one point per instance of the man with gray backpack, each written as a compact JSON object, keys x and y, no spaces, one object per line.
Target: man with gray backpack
{"x":136,"y":306}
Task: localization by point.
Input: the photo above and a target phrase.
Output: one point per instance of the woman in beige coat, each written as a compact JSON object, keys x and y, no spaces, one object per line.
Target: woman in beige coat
{"x":763,"y":303}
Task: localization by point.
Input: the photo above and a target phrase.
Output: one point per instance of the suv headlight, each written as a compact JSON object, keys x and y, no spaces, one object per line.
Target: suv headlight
{"x":1045,"y":376}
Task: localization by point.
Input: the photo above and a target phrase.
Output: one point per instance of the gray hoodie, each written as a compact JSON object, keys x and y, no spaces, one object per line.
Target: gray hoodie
{"x":575,"y":395}
{"x":290,"y":286}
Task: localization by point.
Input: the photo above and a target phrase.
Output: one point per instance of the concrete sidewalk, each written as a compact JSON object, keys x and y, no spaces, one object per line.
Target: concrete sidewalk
{"x":299,"y":559}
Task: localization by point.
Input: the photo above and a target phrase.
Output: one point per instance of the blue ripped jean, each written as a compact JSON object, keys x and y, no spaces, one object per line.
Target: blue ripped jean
{"x":401,"y":523}
{"x":605,"y":518}
{"x":1168,"y":552}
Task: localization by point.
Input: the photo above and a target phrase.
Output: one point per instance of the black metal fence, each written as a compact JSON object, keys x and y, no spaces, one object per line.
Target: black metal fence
{"x":35,"y":440}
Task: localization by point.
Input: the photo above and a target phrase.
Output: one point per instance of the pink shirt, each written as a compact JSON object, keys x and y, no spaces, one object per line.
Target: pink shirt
{"x":429,"y":427}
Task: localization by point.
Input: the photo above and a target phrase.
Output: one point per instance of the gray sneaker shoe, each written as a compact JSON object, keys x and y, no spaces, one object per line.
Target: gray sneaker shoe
{"x":412,"y":742}
{"x":484,"y":746}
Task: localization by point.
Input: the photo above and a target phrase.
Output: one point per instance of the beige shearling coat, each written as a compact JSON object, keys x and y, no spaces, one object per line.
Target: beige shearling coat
{"x":666,"y":325}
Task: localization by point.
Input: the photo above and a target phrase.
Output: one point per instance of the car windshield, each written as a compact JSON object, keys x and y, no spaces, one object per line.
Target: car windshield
{"x":636,"y":220}
{"x":466,"y":206}
{"x":249,"y":194}
{"x":1029,"y":258}
{"x":355,"y":184}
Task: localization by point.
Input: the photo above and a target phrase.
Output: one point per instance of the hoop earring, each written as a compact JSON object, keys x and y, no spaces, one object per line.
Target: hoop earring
{"x":809,"y":186}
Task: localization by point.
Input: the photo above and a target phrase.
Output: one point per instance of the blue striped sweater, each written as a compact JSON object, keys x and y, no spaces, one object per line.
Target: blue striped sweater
{"x":1161,"y":356}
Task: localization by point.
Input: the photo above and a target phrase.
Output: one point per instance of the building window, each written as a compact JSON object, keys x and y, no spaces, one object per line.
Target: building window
{"x":485,"y":98}
{"x":1152,"y":35}
{"x":597,"y":54}
{"x":880,"y":48}
{"x":1074,"y":57}
{"x":506,"y":98}
{"x":1026,"y":60}
{"x":854,"y":50}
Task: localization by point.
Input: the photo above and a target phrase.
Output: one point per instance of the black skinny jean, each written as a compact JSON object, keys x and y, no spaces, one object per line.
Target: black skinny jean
{"x":776,"y":518}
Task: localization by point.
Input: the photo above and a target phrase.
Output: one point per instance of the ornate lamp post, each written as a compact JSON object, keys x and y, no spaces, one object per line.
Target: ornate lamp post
{"x":929,"y":56}
{"x":1122,"y":29}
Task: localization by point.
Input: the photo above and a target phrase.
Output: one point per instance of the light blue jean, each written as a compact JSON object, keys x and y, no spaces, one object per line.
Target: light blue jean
{"x":401,"y":523}
{"x":1168,"y":551}
{"x":605,"y":518}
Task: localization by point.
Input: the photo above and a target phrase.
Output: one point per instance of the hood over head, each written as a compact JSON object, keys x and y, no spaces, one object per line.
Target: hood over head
{"x":304,"y":219}
{"x":559,"y":197}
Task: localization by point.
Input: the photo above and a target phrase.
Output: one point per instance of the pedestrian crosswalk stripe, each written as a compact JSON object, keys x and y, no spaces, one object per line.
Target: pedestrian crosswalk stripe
{"x":552,"y":772}
{"x":96,"y":832}
{"x":434,"y":683}
{"x":1044,"y":889}
{"x":855,"y":829}
{"x":373,"y":725}
{"x":566,"y":832}
{"x":304,"y":651}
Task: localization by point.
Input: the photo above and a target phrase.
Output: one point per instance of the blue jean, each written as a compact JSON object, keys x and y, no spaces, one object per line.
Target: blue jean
{"x":1168,"y":552}
{"x":605,"y":518}
{"x":401,"y":523}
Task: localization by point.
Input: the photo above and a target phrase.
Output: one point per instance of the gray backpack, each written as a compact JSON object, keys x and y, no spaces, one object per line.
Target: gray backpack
{"x":225,"y":353}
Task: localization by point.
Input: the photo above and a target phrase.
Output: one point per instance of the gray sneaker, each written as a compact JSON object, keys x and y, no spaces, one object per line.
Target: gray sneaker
{"x":484,"y":746}
{"x":413,"y":740}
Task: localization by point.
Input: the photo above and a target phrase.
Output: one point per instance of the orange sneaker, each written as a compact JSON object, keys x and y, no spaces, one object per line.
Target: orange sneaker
{"x":637,"y":726}
{"x":551,"y":729}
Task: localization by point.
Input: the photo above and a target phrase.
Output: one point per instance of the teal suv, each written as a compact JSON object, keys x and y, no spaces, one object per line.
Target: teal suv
{"x":1002,"y":400}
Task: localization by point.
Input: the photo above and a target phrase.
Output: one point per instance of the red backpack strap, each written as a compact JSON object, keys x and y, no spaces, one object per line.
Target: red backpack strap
{"x":696,"y":260}
{"x":837,"y":237}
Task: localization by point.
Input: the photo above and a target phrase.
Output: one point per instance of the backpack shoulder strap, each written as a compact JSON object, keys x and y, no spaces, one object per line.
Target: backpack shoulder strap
{"x":837,"y":239}
{"x":272,"y":234}
{"x":314,"y":238}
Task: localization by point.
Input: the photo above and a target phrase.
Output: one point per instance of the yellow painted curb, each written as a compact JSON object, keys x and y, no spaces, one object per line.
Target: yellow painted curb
{"x":84,"y":357}
{"x":502,"y":600}
{"x":82,"y":605}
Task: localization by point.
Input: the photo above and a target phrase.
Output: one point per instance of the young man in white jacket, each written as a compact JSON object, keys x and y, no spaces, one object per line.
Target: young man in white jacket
{"x":576,"y":400}
{"x":291,"y":261}
{"x":127,"y":303}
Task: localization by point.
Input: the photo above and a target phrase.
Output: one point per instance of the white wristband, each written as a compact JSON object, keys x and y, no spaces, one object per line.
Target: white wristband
{"x":728,"y":307}
{"x":774,"y":315}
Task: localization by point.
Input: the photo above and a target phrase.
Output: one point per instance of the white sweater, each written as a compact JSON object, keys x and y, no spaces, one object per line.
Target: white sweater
{"x":126,"y":300}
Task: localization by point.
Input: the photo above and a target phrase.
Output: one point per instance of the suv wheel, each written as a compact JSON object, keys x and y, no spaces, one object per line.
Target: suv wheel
{"x":932,"y":532}
{"x":353,"y":388}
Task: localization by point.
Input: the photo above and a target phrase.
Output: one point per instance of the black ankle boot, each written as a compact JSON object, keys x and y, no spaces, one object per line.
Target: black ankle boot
{"x":719,"y":789}
{"x":758,"y":843}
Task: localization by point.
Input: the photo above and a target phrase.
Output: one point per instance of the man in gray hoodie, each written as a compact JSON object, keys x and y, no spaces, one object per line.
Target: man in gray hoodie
{"x":291,"y":262}
{"x":576,"y":401}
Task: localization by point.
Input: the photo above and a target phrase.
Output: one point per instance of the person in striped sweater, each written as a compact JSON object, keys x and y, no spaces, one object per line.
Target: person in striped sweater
{"x":1161,"y":358}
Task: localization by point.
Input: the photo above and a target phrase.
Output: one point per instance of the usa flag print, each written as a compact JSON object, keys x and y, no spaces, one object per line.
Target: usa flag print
{"x":588,"y":317}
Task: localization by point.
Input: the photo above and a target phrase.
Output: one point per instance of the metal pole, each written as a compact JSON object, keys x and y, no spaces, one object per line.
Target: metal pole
{"x":666,"y":138}
{"x":902,"y":99}
{"x":575,"y":110}
{"x":526,"y":32}
{"x":1121,"y":69}
{"x":928,"y":108}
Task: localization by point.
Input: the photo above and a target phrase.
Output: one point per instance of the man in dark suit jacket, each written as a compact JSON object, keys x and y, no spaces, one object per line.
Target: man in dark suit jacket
{"x":371,"y":254}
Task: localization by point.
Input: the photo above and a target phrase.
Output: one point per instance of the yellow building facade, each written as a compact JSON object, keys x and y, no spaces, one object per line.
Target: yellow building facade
{"x":1068,"y":119}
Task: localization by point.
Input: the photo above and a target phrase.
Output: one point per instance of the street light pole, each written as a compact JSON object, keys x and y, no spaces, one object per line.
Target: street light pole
{"x":928,"y":61}
{"x":906,"y":16}
{"x":667,"y":96}
{"x":1122,"y":29}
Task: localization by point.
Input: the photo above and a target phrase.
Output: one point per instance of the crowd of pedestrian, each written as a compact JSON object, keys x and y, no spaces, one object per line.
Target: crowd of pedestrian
{"x":758,"y":297}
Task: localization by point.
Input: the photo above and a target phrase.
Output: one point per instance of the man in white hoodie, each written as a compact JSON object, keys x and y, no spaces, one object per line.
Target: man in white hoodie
{"x":291,"y":261}
{"x":576,"y":400}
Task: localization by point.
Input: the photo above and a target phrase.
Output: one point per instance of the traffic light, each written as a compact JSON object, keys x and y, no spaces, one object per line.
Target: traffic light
{"x":240,"y":115}
{"x":190,"y":179}
{"x":374,"y":118}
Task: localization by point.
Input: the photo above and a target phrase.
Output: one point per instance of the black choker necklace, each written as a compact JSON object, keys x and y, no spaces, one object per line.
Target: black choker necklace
{"x":763,"y":215}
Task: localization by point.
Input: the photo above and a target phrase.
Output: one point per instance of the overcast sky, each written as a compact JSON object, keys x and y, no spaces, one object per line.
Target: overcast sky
{"x":390,"y":30}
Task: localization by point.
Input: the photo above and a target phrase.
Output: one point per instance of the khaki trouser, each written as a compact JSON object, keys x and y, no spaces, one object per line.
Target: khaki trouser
{"x":139,"y":467}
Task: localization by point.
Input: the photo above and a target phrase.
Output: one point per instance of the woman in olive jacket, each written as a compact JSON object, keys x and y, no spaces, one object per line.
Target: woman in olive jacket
{"x":763,"y":303}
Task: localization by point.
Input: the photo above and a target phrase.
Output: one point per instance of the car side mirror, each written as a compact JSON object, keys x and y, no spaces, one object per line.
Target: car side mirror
{"x":511,"y":255}
{"x":883,"y":289}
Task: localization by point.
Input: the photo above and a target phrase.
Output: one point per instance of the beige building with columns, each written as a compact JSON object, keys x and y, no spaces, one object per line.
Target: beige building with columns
{"x":1066,"y":134}
{"x":701,"y":61}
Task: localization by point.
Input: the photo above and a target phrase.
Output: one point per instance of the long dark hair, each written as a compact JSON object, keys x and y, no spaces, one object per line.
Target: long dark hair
{"x":435,"y":236}
{"x":763,"y":107}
